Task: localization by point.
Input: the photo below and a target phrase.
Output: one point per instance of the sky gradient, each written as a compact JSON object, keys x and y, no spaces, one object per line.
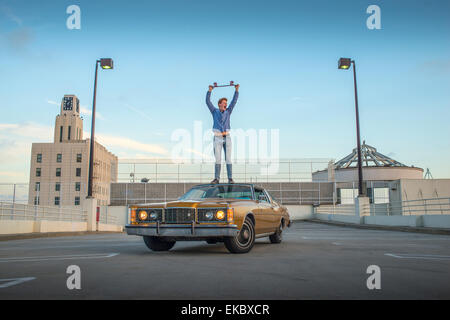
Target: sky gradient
{"x":283,"y":54}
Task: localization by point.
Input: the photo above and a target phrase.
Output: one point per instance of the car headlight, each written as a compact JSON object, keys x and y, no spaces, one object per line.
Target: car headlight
{"x":209,"y":215}
{"x":143,"y":215}
{"x":220,"y":215}
{"x":153,"y":215}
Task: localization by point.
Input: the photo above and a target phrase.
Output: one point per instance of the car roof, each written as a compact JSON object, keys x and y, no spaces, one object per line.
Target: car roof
{"x":252,"y":185}
{"x":224,"y":184}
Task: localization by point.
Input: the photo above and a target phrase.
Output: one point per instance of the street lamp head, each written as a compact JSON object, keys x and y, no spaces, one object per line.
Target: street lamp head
{"x":106,"y":63}
{"x":344,"y":63}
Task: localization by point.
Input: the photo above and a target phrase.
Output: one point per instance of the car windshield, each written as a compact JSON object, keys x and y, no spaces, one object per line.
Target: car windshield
{"x":219,"y":191}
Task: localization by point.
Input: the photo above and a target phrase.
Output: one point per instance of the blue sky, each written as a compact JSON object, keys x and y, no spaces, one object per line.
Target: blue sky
{"x":283,"y":54}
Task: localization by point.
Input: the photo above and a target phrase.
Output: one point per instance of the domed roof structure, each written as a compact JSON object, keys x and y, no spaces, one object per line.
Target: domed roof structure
{"x":376,"y":167}
{"x":370,"y":158}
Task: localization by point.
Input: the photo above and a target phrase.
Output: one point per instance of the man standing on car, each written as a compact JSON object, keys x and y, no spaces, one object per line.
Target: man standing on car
{"x":221,"y":129}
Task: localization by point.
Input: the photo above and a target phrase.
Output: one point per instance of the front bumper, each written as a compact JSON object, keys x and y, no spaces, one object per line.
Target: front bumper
{"x":191,"y":231}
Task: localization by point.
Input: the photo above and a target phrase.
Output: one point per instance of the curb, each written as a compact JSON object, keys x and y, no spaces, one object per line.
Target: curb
{"x":387,"y":228}
{"x":22,"y":236}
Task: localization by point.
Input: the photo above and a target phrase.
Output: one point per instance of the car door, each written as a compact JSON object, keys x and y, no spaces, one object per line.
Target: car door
{"x":275,"y":212}
{"x":265,"y":215}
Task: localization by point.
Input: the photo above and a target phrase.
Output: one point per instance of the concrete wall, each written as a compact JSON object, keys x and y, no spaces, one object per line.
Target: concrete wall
{"x":121,"y":214}
{"x":416,"y":189}
{"x":26,"y":226}
{"x":427,"y":221}
{"x":436,"y":221}
{"x":16,"y":226}
{"x":46,"y":225}
{"x":338,"y":218}
{"x":399,"y":221}
{"x":370,"y":174}
{"x":300,"y":212}
{"x":109,"y":227}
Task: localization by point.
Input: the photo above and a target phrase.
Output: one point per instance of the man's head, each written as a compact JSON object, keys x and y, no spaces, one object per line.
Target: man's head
{"x":223,"y":104}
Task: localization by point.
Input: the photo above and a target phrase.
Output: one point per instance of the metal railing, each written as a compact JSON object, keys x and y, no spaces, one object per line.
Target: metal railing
{"x":106,"y":217}
{"x":17,"y":211}
{"x":344,"y":209}
{"x":285,"y":193}
{"x":412,"y":207}
{"x":250,"y":171}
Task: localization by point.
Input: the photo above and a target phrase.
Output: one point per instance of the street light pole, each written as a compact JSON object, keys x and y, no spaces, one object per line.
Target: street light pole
{"x":344,"y":64}
{"x":358,"y":142}
{"x":92,"y":141}
{"x":105,"y":63}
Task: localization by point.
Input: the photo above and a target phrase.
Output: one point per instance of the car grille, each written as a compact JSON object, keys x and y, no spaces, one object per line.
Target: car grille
{"x":179,"y":215}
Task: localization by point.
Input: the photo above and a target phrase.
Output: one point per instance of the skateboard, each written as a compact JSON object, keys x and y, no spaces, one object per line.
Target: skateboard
{"x":232,"y":84}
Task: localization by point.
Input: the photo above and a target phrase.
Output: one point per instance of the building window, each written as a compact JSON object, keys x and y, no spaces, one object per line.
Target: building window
{"x":37,"y":186}
{"x":60,"y":133}
{"x":36,"y":201}
{"x":77,"y":186}
{"x":68,"y":135}
{"x":79,"y":157}
{"x":59,"y":157}
{"x":58,"y":172}
{"x":77,"y":201}
{"x":57,"y":186}
{"x":39,"y":158}
{"x":78,"y":172}
{"x":56,"y":201}
{"x":38,"y":172}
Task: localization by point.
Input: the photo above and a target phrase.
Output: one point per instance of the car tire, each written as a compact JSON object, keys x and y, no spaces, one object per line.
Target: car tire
{"x":156,"y":244}
{"x":244,"y":241}
{"x":277,"y":237}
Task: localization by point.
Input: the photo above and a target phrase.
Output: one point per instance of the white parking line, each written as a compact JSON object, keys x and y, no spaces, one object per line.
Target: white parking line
{"x":14,"y":281}
{"x":417,"y":256}
{"x":381,"y":238}
{"x":66,"y":257}
{"x":74,"y":246}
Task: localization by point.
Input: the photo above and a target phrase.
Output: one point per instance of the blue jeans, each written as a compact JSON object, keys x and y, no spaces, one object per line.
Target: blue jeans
{"x":225,"y":143}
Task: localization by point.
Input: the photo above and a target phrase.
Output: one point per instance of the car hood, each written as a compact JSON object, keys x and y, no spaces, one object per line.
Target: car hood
{"x":195,"y":203}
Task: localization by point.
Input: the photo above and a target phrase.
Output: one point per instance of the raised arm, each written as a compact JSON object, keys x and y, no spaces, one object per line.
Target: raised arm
{"x":208,"y":100}
{"x":235,"y":98}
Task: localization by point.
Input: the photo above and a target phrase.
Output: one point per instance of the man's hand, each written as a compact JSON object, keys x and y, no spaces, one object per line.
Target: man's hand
{"x":237,"y":87}
{"x":210,"y":88}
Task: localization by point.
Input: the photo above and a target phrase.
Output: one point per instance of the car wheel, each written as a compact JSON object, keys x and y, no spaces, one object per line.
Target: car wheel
{"x":277,"y":237}
{"x":244,"y":241}
{"x":156,"y":244}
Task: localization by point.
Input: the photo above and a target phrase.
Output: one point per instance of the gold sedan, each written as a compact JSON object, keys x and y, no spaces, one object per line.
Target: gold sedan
{"x":235,"y":214}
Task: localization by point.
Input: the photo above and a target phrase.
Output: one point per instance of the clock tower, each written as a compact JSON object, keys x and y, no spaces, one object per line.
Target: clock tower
{"x":68,"y":124}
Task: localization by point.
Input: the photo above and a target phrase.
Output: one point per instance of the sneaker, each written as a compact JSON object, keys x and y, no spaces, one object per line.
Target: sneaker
{"x":215,"y":181}
{"x":230,"y":181}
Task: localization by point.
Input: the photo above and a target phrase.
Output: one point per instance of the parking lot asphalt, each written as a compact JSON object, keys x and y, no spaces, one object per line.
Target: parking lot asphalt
{"x":314,"y":261}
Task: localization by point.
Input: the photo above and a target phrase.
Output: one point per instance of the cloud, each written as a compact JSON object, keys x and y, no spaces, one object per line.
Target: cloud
{"x":440,"y":66}
{"x":112,"y":141}
{"x":16,"y":140}
{"x":88,"y":112}
{"x":26,"y":130}
{"x":19,"y":39}
{"x":10,"y":15}
{"x":139,"y":112}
